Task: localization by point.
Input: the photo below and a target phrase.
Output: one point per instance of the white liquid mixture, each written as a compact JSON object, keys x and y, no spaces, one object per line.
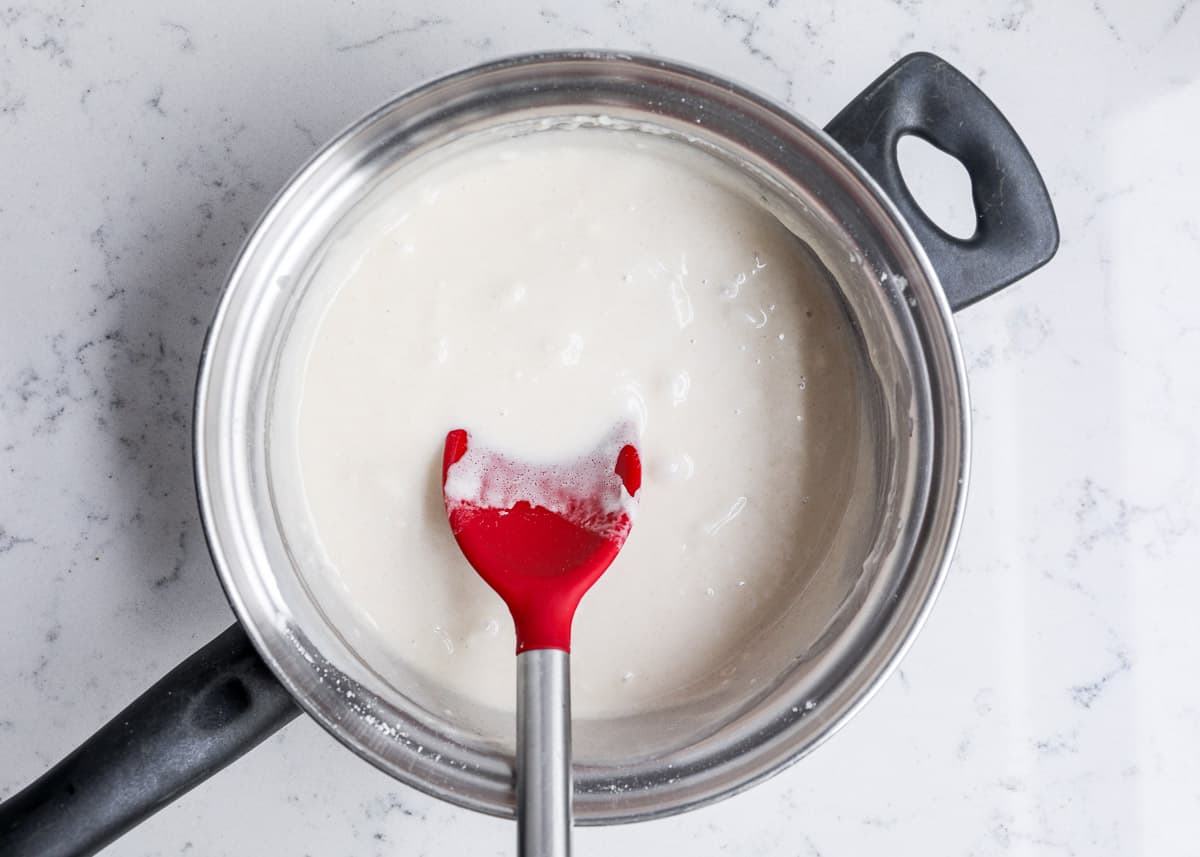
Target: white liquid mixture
{"x":538,"y":292}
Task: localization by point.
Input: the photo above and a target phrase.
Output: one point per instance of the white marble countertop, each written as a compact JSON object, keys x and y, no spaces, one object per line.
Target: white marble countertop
{"x":1050,"y":705}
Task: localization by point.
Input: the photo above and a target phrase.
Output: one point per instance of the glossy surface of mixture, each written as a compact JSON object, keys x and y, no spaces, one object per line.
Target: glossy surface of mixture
{"x":540,"y":291}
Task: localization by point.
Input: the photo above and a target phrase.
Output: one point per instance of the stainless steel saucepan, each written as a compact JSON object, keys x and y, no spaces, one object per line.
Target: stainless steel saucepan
{"x":898,"y":278}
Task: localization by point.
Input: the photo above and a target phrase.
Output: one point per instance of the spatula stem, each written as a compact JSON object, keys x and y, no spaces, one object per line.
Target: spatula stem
{"x":544,"y":753}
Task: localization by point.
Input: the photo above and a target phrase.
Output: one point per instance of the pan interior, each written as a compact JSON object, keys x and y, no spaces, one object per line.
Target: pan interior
{"x":818,"y":522}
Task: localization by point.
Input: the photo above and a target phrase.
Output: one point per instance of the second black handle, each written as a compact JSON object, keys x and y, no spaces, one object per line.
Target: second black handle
{"x":211,"y":709}
{"x":923,"y":95}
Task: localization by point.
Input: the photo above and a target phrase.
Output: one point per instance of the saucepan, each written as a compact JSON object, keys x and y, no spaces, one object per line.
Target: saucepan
{"x":898,"y":278}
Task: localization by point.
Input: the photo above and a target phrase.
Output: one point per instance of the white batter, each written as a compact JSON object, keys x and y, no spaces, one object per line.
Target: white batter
{"x":539,"y":292}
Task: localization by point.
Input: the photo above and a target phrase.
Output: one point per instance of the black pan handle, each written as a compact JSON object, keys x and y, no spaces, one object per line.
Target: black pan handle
{"x":214,"y":707}
{"x":1016,"y":231}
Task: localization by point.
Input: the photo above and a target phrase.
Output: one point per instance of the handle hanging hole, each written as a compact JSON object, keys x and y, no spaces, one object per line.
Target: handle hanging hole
{"x":940,"y":185}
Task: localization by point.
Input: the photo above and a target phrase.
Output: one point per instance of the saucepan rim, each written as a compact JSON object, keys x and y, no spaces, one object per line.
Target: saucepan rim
{"x":286,"y":649}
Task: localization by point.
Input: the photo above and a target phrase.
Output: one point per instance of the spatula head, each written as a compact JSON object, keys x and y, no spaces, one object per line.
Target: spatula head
{"x":540,"y":535}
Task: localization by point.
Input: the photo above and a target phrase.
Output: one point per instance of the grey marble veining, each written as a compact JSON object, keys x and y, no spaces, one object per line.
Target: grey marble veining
{"x":1047,"y":707}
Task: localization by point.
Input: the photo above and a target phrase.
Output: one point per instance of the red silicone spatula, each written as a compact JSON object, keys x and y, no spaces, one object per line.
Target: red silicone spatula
{"x":541,"y":535}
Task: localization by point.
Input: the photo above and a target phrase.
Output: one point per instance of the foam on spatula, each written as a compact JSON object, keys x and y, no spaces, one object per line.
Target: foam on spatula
{"x":587,"y":491}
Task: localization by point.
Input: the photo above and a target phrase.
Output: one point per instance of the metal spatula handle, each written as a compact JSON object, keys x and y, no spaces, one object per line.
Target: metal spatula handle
{"x":544,"y":787}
